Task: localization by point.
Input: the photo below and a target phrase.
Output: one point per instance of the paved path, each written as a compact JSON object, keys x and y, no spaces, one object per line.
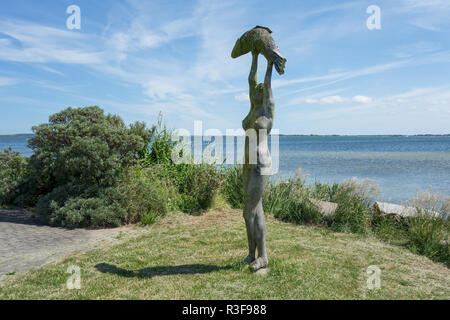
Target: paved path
{"x":25,"y":243}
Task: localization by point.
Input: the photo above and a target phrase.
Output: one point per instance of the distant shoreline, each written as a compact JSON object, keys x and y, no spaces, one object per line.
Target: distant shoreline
{"x":298,"y":135}
{"x":16,"y":135}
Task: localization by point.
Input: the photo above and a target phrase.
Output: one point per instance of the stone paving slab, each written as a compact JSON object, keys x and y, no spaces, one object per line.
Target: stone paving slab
{"x":26,"y":243}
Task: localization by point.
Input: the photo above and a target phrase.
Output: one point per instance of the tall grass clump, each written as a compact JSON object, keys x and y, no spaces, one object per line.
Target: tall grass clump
{"x":233,"y":188}
{"x":390,"y":228}
{"x":196,"y":184}
{"x":288,"y":201}
{"x":429,"y":230}
{"x":353,"y":214}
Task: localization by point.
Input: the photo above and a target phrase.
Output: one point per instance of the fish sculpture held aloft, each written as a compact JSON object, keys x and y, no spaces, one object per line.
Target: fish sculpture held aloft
{"x":259,"y":40}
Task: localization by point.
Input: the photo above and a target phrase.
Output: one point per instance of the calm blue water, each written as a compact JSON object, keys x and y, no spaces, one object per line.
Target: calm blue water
{"x":400,"y":165}
{"x":17,"y":143}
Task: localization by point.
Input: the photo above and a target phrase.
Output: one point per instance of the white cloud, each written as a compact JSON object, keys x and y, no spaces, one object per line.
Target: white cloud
{"x":362,"y":99}
{"x":332,"y":100}
{"x":325,"y":100}
{"x":393,"y":109}
{"x":311,"y":100}
{"x":242,"y":97}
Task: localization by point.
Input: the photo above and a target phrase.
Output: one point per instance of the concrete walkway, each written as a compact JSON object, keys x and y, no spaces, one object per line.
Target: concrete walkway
{"x":25,"y":243}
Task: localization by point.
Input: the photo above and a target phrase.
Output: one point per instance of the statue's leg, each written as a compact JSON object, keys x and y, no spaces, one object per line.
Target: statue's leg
{"x":260,"y":225}
{"x":249,"y":215}
{"x":254,"y":215}
{"x":249,"y":224}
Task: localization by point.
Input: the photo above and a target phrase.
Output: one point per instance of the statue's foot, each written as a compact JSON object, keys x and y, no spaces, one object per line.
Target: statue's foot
{"x":249,"y":259}
{"x":259,"y":264}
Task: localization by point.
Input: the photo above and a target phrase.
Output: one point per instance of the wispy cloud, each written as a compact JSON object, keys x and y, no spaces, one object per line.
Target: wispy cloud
{"x":37,"y":43}
{"x":341,"y":76}
{"x":7,"y":81}
{"x":431,"y":15}
{"x":433,"y":103}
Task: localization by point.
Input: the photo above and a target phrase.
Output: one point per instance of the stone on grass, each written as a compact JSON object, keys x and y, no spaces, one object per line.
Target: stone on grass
{"x":262,"y":271}
{"x":325,"y":208}
{"x":384,"y":208}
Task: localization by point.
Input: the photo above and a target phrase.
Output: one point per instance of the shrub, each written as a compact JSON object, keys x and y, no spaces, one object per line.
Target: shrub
{"x":84,"y":146}
{"x":13,"y":168}
{"x":145,"y":195}
{"x":233,"y":186}
{"x":137,"y":196}
{"x":81,"y":158}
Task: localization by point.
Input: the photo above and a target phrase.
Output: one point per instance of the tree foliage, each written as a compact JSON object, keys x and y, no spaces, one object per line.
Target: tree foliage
{"x":84,"y":146}
{"x":13,"y":167}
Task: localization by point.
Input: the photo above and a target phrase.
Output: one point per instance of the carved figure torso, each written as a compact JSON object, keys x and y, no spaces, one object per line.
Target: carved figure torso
{"x":259,"y":118}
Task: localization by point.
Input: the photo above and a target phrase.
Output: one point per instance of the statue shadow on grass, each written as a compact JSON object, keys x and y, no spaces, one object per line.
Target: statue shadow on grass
{"x":159,"y":270}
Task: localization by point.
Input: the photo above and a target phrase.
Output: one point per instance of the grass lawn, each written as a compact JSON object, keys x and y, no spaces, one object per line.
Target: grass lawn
{"x":199,"y":257}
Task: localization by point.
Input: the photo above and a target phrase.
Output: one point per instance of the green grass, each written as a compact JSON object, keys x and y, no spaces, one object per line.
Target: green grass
{"x":199,"y":257}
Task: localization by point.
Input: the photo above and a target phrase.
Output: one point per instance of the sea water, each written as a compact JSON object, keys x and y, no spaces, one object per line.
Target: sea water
{"x":400,"y":165}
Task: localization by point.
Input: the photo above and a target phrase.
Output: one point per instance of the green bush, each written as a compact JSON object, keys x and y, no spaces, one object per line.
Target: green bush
{"x":146,"y":194}
{"x":13,"y":169}
{"x":233,"y":186}
{"x":81,"y":156}
{"x":84,"y":146}
{"x":138,"y":195}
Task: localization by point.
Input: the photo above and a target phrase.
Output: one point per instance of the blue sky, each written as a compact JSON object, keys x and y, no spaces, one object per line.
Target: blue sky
{"x":137,"y":58}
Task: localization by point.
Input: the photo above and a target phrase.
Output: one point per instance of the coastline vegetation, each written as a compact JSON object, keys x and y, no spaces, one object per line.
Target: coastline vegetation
{"x":90,"y":169}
